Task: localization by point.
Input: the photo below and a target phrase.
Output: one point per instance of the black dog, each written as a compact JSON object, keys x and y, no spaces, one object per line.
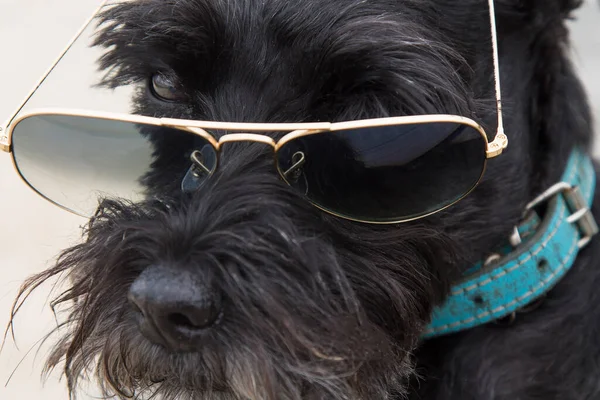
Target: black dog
{"x":285,"y":301}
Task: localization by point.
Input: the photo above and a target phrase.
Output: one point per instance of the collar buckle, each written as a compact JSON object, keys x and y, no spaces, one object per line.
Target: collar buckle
{"x":581,"y":213}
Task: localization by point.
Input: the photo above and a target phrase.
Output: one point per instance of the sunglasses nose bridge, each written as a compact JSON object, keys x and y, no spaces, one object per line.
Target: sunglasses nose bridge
{"x":246,"y":137}
{"x":232,"y":137}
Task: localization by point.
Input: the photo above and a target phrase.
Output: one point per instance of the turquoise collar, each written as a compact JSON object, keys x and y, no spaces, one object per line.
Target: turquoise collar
{"x":540,"y":253}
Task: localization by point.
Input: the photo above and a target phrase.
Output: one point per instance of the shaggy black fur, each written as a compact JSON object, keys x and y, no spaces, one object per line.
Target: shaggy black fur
{"x":311,"y":306}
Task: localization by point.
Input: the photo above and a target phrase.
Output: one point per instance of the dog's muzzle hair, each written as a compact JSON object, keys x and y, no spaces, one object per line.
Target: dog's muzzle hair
{"x":269,"y":303}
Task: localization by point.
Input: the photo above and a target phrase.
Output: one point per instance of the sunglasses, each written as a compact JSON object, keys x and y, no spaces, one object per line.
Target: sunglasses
{"x":380,"y":171}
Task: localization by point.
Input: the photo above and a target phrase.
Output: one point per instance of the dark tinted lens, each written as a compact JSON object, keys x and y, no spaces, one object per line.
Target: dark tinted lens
{"x":73,"y":161}
{"x":385,"y":174}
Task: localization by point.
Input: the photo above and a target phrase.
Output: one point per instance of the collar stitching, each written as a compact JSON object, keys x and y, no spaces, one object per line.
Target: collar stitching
{"x":561,"y":213}
{"x":522,"y":262}
{"x":528,"y":294}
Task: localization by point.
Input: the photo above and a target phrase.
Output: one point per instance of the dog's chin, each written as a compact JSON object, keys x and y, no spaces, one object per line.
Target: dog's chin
{"x":252,"y":367}
{"x":343,"y":356}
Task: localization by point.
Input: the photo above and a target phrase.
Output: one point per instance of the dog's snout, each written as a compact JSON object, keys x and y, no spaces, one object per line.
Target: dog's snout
{"x":174,"y":306}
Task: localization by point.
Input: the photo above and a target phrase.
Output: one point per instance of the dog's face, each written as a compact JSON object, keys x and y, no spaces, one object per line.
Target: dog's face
{"x":244,"y":290}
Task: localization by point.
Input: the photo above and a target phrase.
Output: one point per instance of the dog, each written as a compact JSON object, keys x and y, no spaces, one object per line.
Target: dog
{"x":284,"y":300}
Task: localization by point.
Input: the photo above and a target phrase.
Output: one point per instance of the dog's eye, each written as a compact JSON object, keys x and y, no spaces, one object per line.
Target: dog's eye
{"x":167,"y":88}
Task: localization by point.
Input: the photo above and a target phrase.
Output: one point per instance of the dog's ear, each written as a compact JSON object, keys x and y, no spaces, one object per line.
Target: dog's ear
{"x":541,"y":12}
{"x":559,"y":115}
{"x":560,"y":8}
{"x":556,"y":7}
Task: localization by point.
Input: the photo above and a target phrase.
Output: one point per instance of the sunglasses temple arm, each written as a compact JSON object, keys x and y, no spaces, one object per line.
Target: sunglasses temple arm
{"x":4,"y":127}
{"x":496,"y":66}
{"x":500,"y":141}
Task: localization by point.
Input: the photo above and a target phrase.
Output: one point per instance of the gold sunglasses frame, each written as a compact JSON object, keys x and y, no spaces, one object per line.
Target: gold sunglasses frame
{"x":297,"y":130}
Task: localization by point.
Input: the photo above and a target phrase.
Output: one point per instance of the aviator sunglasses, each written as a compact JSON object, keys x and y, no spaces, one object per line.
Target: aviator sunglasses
{"x":380,"y":171}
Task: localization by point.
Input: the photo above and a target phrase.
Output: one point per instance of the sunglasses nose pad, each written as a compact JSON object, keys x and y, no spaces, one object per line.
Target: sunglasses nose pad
{"x":197,"y":172}
{"x":294,"y":175}
{"x":295,"y":171}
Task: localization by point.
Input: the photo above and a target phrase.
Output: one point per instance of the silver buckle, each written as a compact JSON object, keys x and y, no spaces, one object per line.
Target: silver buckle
{"x":581,"y":214}
{"x":515,"y":238}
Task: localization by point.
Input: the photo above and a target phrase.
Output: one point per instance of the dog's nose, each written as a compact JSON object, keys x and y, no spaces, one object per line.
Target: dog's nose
{"x":174,"y":306}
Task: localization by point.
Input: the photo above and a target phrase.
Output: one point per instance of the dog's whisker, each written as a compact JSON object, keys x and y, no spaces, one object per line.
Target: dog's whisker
{"x":34,"y":346}
{"x":325,"y":357}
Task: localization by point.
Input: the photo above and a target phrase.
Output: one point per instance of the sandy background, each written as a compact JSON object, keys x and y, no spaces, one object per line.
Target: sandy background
{"x":32,"y":33}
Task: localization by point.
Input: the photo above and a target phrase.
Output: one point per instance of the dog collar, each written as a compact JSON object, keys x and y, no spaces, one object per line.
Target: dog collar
{"x":539,"y":254}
